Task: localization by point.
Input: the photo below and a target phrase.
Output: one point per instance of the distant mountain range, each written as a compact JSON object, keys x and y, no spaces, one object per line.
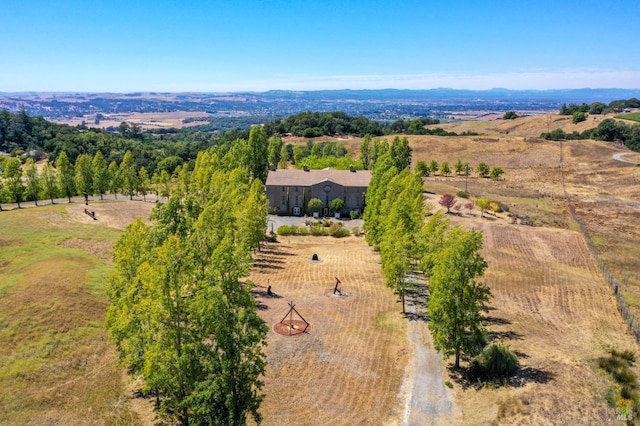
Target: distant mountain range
{"x":386,"y":104}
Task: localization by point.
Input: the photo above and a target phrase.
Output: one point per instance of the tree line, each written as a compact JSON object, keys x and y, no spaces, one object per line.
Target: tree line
{"x":608,"y":130}
{"x":410,"y":238}
{"x":599,"y":107}
{"x":95,"y":176}
{"x":181,"y":318}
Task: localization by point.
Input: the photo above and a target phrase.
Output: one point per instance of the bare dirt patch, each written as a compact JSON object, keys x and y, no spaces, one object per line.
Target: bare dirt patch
{"x":98,"y":248}
{"x":114,"y":214}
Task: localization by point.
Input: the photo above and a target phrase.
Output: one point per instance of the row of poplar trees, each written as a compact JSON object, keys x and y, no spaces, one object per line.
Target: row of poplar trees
{"x":181,"y":317}
{"x":409,"y":238}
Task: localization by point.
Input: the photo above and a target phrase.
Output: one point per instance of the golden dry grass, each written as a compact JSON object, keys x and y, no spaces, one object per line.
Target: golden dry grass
{"x":349,"y":368}
{"x":550,"y":303}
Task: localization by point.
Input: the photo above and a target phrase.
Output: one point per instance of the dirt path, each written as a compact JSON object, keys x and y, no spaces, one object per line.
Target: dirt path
{"x":619,"y":157}
{"x":428,"y":401}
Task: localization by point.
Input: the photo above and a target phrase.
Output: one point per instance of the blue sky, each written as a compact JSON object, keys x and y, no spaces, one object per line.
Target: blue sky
{"x":214,"y":46}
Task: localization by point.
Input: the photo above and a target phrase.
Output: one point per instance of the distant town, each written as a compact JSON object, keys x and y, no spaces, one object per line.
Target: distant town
{"x":240,"y":110}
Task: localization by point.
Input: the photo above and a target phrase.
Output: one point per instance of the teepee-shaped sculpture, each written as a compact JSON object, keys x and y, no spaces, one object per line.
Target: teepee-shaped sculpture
{"x":293,"y":326}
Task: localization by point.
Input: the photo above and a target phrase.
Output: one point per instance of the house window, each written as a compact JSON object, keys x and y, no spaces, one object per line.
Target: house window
{"x":296,"y":211}
{"x":296,"y":189}
{"x":283,"y":189}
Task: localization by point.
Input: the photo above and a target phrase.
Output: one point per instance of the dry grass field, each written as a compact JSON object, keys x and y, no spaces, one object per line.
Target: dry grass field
{"x":146,"y":120}
{"x":349,"y":367}
{"x":550,"y":303}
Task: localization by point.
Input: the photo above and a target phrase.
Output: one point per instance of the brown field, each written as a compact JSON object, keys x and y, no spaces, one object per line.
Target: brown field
{"x":349,"y":367}
{"x":550,"y":303}
{"x":146,"y":120}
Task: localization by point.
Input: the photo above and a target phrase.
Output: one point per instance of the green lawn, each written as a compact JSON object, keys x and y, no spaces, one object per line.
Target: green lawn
{"x":634,"y":116}
{"x":56,"y":366}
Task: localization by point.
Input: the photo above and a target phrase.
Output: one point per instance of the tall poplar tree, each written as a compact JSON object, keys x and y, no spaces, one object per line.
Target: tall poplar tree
{"x":457,"y":300}
{"x":129,"y":175}
{"x":49,"y":182}
{"x":115,"y":179}
{"x":258,"y":154}
{"x":84,"y":174}
{"x":13,"y":177}
{"x":34,"y":182}
{"x":180,"y":316}
{"x":100,"y":174}
{"x":66,"y":176}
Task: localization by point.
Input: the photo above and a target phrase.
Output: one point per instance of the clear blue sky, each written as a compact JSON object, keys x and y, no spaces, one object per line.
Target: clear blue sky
{"x":213,"y":46}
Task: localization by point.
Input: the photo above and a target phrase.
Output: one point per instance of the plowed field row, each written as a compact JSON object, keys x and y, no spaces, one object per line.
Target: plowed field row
{"x":349,"y":368}
{"x":554,"y":309}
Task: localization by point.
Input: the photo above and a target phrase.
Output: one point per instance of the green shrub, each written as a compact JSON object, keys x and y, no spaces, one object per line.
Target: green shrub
{"x":357,"y":231}
{"x":497,"y":361}
{"x":462,"y":194}
{"x":317,"y":229}
{"x":336,"y":230}
{"x":354,"y":214}
{"x":287,"y":230}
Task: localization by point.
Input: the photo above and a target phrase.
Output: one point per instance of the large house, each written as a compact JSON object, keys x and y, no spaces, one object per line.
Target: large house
{"x":289,"y":191}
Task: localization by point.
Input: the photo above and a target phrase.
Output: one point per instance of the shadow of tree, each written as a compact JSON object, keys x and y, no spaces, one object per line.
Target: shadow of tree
{"x":267,"y":264}
{"x":465,"y":377}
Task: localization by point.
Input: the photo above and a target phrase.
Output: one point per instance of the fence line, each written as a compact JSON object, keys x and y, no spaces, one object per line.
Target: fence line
{"x":611,"y":280}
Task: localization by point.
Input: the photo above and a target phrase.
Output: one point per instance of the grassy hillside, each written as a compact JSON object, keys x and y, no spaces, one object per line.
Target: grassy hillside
{"x":56,"y":366}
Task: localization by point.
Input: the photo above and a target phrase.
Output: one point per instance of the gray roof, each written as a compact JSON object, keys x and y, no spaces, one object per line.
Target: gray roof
{"x":290,"y":177}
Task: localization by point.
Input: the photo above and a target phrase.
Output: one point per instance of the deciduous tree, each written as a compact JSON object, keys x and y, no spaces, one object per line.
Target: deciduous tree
{"x":258,"y":153}
{"x":115,"y":179}
{"x":34,"y":182}
{"x":483,"y":205}
{"x":49,"y":182}
{"x":457,"y":300}
{"x":447,"y":201}
{"x":401,"y":153}
{"x":129,"y":175}
{"x":84,"y":174}
{"x":13,"y":177}
{"x":483,"y":170}
{"x":100,"y":174}
{"x":66,"y":176}
{"x":496,"y":172}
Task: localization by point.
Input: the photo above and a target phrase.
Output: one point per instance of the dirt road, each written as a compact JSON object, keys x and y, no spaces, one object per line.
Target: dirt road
{"x":428,"y":401}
